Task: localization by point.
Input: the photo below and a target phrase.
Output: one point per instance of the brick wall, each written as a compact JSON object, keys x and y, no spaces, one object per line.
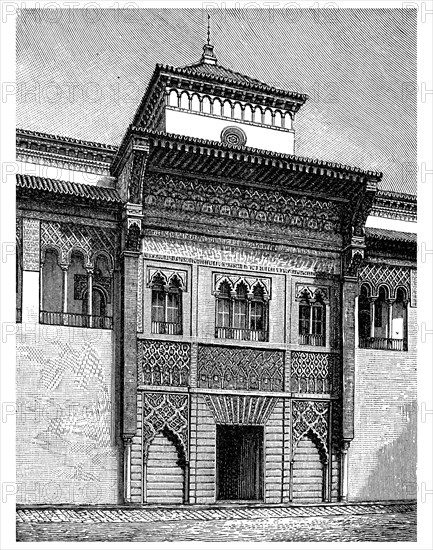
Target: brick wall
{"x":273,"y":466}
{"x":202,"y":488}
{"x":382,"y":456}
{"x":65,"y":420}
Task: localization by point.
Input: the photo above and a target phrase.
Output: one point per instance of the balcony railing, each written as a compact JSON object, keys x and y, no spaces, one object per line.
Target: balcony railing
{"x":312,"y":339}
{"x":161,"y":327}
{"x":241,"y":334}
{"x":393,"y":344}
{"x":75,"y":320}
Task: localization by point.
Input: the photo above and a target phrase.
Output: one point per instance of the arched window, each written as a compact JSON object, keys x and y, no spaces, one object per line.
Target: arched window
{"x":240,"y":314}
{"x":19,"y":283}
{"x":206,"y":104}
{"x":76,"y":289}
{"x":268,"y":117}
{"x":381,"y":314}
{"x":173,"y":99}
{"x":51,"y":311}
{"x":312,"y":321}
{"x":364,"y":316}
{"x":258,"y":115}
{"x":399,"y":320}
{"x":278,"y":119}
{"x":195,"y":103}
{"x":258,"y":314}
{"x":217,"y":107}
{"x":184,"y":100}
{"x":382,"y":321}
{"x":240,"y":307}
{"x":248,"y":113}
{"x":101,"y":311}
{"x":166,"y":305}
{"x":224,"y":306}
{"x":227,"y":109}
{"x":237,"y":112}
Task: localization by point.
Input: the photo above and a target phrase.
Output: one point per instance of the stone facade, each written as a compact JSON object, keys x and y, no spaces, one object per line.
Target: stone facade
{"x":214,"y":291}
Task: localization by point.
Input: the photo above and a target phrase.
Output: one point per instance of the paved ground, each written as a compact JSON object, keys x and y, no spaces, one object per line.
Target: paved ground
{"x":378,"y":522}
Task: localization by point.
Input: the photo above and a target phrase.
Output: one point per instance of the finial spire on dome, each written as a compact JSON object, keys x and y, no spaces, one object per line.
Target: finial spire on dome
{"x":208,"y":53}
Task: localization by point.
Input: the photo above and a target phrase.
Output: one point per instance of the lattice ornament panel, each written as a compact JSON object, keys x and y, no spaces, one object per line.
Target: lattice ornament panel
{"x":312,"y":372}
{"x":163,"y":363}
{"x":248,"y":206}
{"x":311,"y":417}
{"x":390,"y":275}
{"x":240,"y":409}
{"x":240,"y":368}
{"x":161,"y":410}
{"x":66,"y":237}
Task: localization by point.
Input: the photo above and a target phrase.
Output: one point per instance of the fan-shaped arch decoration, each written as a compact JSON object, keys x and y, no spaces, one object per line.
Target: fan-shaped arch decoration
{"x":311,"y":418}
{"x":162,"y":412}
{"x":232,"y":135}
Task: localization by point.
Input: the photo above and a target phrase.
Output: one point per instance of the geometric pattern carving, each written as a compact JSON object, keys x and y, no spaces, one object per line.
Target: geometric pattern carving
{"x":413,"y":287}
{"x":66,"y":237}
{"x":312,"y":293}
{"x":388,"y":275}
{"x":240,"y":368}
{"x":165,"y":410}
{"x":167,"y":276}
{"x":311,"y":416}
{"x":312,"y":372}
{"x":250,"y":282}
{"x":163,"y":363}
{"x":31,"y":240}
{"x":140,"y":295}
{"x":237,"y":409}
{"x":244,"y":206}
{"x":177,"y":246}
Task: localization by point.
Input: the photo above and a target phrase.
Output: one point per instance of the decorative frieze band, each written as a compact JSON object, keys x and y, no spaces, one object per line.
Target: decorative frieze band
{"x":222,"y":367}
{"x":163,"y":363}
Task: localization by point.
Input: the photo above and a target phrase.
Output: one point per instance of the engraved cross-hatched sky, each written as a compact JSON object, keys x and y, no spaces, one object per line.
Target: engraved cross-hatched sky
{"x":82,"y":73}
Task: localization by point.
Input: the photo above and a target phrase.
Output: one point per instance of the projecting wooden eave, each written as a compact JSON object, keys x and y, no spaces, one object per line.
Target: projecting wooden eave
{"x":205,"y":159}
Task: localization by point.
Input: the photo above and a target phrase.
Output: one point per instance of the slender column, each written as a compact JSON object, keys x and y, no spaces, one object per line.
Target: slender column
{"x":127,"y":443}
{"x":65,"y":288}
{"x":390,"y":303}
{"x":41,"y":288}
{"x":90,"y":295}
{"x":344,"y":471}
{"x":372,"y":314}
{"x":65,"y":294}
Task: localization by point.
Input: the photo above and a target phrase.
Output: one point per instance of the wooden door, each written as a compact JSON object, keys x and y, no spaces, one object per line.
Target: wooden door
{"x":240,"y":462}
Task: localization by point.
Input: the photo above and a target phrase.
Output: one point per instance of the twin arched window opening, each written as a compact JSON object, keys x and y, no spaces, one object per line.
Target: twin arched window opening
{"x":241,"y":314}
{"x":76,"y":294}
{"x":312,"y":321}
{"x":382,"y":321}
{"x":166,"y":305}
